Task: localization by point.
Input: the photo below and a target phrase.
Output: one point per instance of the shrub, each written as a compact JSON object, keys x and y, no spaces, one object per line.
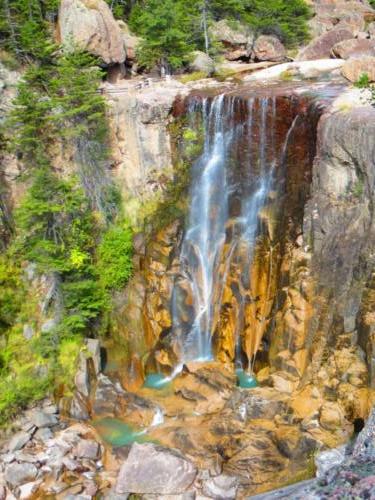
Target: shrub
{"x":115,"y":254}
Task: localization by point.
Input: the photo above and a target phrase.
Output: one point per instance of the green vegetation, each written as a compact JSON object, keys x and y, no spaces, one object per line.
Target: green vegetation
{"x":363,"y":81}
{"x":172,"y":29}
{"x":115,"y":256}
{"x":67,"y":224}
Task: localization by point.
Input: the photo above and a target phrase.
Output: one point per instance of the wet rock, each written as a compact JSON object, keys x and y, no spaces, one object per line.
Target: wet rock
{"x":320,"y":48}
{"x":156,"y":470}
{"x":87,"y":448}
{"x":353,"y":69}
{"x":17,"y":474}
{"x":355,"y":48}
{"x":269,"y":48}
{"x":326,"y":460}
{"x":90,"y":25}
{"x":202,"y":62}
{"x":42,"y":419}
{"x":19,"y":440}
{"x":221,"y":487}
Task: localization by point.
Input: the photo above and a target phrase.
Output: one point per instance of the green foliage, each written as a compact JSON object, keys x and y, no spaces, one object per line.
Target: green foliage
{"x":84,"y":301}
{"x":11,"y":293}
{"x":363,"y":81}
{"x":283,"y":18}
{"x":55,"y":223}
{"x":16,"y":393}
{"x":115,"y":253}
{"x":174,"y":28}
{"x":25,"y":25}
{"x":165,"y":28}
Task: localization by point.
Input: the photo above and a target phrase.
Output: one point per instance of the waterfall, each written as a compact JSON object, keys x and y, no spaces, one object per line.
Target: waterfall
{"x":231,"y":184}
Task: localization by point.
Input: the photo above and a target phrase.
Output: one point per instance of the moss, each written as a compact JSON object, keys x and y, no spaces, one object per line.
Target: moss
{"x":193,"y":77}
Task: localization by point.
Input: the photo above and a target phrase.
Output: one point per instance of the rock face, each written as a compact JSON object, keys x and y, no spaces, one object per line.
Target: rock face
{"x":142,"y":157}
{"x":90,"y":25}
{"x":353,"y":69}
{"x":321,"y":47}
{"x":354,"y":48}
{"x":155,"y":470}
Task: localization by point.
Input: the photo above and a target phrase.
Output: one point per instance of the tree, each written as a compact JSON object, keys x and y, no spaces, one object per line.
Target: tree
{"x":283,"y":18}
{"x":165,"y":28}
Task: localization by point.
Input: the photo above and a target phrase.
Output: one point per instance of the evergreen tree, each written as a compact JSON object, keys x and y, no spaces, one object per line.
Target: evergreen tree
{"x":166,"y":30}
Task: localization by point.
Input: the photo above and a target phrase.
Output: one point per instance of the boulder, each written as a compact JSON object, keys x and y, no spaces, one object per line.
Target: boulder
{"x":321,"y":47}
{"x":26,"y":491}
{"x":371,"y":30}
{"x":131,"y":41}
{"x":152,"y":469}
{"x":355,"y":48}
{"x":353,"y":69}
{"x":222,"y":487}
{"x":78,"y":407}
{"x":236,"y":39}
{"x":88,"y":448}
{"x":268,"y":48}
{"x":18,"y":441}
{"x":17,"y":474}
{"x":41,"y":419}
{"x":90,"y":25}
{"x":326,"y":460}
{"x":202,"y":62}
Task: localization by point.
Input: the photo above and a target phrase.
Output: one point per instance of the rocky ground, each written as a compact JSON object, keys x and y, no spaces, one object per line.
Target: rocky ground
{"x":213,"y":441}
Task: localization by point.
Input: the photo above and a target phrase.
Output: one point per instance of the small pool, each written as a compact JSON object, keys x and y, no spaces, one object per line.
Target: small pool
{"x":156,"y":381}
{"x":245,"y":380}
{"x":118,"y":433}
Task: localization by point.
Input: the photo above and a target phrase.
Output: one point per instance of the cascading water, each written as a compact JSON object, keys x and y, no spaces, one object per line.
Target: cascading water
{"x":207,"y":250}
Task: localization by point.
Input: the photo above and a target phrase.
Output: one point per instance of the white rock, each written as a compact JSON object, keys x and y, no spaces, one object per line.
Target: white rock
{"x":326,"y":460}
{"x":304,"y":68}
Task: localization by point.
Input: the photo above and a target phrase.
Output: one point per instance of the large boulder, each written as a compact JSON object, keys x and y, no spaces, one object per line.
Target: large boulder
{"x":17,"y":474}
{"x":152,"y":469}
{"x":236,"y":39}
{"x":353,"y":69}
{"x":202,"y":62}
{"x":131,"y":41}
{"x":90,"y":25}
{"x":355,"y":48}
{"x":321,"y":47}
{"x":269,"y":48}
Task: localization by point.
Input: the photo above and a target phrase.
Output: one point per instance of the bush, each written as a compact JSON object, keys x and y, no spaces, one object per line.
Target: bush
{"x":115,"y":253}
